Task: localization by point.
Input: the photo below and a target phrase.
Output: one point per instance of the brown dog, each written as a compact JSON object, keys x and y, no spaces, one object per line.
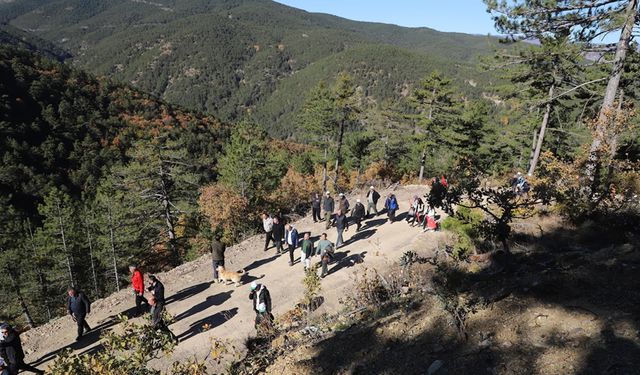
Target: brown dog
{"x":225,"y":276}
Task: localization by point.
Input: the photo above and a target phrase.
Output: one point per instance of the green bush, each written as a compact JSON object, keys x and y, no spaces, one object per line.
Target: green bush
{"x":464,"y":224}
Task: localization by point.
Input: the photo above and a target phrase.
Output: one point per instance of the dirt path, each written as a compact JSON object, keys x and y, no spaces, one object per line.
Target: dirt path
{"x":195,"y":302}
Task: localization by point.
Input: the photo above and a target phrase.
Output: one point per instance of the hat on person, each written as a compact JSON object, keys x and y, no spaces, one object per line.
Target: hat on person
{"x":341,"y":194}
{"x":371,"y":187}
{"x":262,"y":307}
{"x":254,"y":285}
{"x":358,"y":200}
{"x":328,"y":193}
{"x":4,"y":326}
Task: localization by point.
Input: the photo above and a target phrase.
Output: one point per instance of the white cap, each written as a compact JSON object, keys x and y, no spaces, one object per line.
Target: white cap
{"x":341,"y":194}
{"x":358,"y":200}
{"x":254,"y":285}
{"x":371,"y":187}
{"x":328,"y":193}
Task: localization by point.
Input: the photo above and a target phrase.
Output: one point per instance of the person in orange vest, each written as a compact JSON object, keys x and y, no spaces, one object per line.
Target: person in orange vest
{"x":137,"y":281}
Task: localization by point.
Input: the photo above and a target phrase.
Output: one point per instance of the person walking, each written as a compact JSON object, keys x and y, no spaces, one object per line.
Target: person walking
{"x":291,"y":235}
{"x":358,"y":214}
{"x":391,"y":204}
{"x":157,"y":318}
{"x":278,"y":234}
{"x":328,"y":206}
{"x":260,"y":295}
{"x":11,"y":351}
{"x":325,"y":250}
{"x":157,"y":289}
{"x":79,"y":307}
{"x":316,"y":201}
{"x":306,"y":250}
{"x":217,"y":255}
{"x":137,"y":281}
{"x":342,"y":225}
{"x":343,"y":204}
{"x":267,"y":224}
{"x":372,"y":200}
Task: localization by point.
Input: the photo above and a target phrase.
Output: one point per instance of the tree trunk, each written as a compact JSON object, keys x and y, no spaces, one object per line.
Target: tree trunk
{"x":18,"y":292}
{"x":113,"y":247}
{"x":610,"y":94}
{"x":324,"y":171}
{"x":543,"y":129}
{"x":533,"y":146}
{"x":613,"y":141}
{"x":422,"y":161}
{"x":171,"y":232}
{"x":69,"y":260}
{"x":42,"y":281}
{"x":339,"y":153}
{"x":91,"y":259}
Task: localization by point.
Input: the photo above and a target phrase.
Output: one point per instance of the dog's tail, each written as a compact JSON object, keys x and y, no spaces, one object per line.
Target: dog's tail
{"x":241,"y":272}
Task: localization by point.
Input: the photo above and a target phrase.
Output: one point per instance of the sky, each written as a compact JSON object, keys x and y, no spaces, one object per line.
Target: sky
{"x":465,"y":16}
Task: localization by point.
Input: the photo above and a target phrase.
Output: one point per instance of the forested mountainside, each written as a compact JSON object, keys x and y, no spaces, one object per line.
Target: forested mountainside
{"x":73,"y":146}
{"x":227,"y":57}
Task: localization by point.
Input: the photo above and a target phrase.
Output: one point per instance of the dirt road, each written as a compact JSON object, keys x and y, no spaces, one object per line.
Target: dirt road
{"x":225,"y":309}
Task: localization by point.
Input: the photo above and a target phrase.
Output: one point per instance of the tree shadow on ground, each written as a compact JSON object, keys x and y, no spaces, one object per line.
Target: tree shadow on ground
{"x":570,"y":272}
{"x":209,"y":301}
{"x":88,"y":339}
{"x":208,"y":323}
{"x":362,"y":235}
{"x":261,"y":262}
{"x":188,"y":292}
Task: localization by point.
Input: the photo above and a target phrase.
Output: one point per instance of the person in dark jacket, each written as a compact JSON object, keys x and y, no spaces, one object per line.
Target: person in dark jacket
{"x":316,"y":201}
{"x":391,"y":204}
{"x":79,"y":307}
{"x":372,"y":201}
{"x":157,"y":289}
{"x":217,"y":256}
{"x":328,"y":206}
{"x":278,"y":234}
{"x":358,"y":214}
{"x":157,"y":320}
{"x":343,"y":204}
{"x":260,"y":294}
{"x":291,"y":236}
{"x":11,"y":351}
{"x":342,"y":225}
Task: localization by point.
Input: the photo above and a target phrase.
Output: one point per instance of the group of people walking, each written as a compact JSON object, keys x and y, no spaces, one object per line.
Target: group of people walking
{"x":324,"y":208}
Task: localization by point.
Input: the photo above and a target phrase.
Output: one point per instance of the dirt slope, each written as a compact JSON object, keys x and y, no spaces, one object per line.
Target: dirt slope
{"x":195,"y":302}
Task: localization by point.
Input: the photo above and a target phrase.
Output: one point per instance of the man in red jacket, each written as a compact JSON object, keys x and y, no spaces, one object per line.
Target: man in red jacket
{"x":137,"y":281}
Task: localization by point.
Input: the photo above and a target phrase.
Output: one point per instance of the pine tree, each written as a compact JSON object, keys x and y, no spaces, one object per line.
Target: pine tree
{"x":246,"y":165}
{"x":162,"y":187}
{"x":583,"y":21}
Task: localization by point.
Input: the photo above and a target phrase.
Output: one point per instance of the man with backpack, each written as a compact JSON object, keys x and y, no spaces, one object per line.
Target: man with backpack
{"x":79,"y":307}
{"x":325,"y":249}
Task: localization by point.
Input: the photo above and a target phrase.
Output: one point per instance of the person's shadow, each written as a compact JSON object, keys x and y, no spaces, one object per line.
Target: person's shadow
{"x":188,"y":292}
{"x":208,"y":323}
{"x":347,"y":262}
{"x":260,"y":262}
{"x":214,"y":300}
{"x":362,"y":235}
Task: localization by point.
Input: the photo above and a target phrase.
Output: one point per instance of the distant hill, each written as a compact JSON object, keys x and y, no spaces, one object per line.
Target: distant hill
{"x":231,"y":58}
